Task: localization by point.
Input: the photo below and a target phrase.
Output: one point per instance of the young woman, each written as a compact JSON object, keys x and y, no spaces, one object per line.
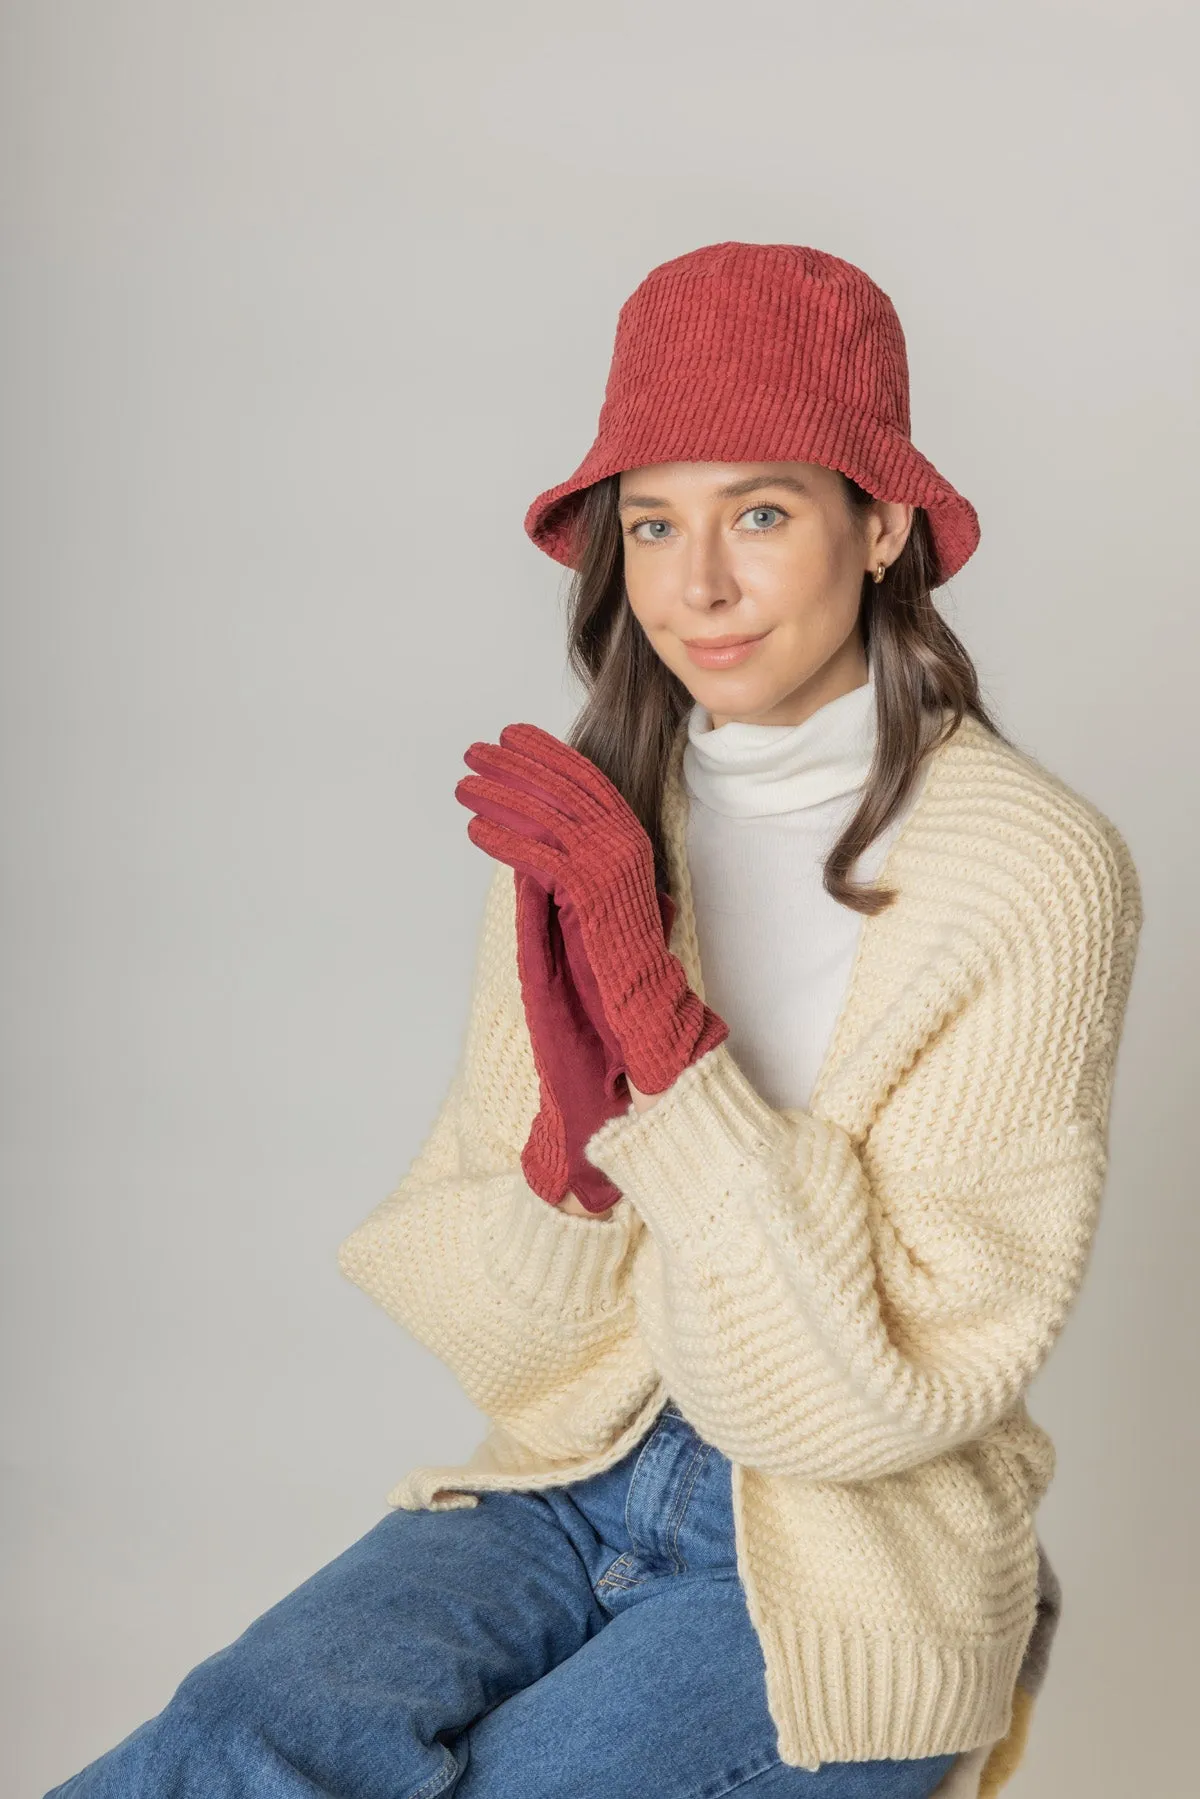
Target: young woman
{"x":771,"y":1166}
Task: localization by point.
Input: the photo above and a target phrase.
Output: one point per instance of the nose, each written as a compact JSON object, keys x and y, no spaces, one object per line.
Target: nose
{"x":707,"y":575}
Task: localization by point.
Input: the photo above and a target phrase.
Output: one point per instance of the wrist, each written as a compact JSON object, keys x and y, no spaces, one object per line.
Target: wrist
{"x":568,"y":1203}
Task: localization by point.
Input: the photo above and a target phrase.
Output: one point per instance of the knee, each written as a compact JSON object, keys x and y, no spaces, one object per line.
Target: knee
{"x":217,"y":1692}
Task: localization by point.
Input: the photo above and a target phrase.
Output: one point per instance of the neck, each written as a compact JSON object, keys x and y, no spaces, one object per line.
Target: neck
{"x":749,"y":769}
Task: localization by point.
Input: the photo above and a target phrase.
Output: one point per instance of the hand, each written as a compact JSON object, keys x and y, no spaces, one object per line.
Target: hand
{"x":548,"y":811}
{"x":569,"y":1203}
{"x":642,"y":1102}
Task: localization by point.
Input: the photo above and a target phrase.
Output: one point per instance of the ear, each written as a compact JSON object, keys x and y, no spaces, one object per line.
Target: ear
{"x":895,"y":523}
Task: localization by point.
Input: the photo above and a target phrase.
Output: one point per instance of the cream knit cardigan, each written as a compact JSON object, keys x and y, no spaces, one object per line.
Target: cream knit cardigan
{"x":850,"y":1300}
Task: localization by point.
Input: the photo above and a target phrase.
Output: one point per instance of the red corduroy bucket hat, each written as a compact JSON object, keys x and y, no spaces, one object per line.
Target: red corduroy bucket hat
{"x":761,"y":353}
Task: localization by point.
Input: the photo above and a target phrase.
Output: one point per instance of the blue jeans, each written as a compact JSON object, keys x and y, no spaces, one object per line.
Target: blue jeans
{"x":582,"y":1642}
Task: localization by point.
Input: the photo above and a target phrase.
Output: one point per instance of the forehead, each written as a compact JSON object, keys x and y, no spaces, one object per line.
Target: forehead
{"x":655,"y":483}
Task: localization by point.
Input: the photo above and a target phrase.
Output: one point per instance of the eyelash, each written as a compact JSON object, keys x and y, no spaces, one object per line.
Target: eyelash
{"x":651,"y":518}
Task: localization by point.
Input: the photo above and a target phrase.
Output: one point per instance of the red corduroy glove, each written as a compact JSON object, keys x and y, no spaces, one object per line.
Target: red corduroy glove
{"x":576,"y":1056}
{"x":546,"y":809}
{"x":579,"y":1069}
{"x":581,"y":1084}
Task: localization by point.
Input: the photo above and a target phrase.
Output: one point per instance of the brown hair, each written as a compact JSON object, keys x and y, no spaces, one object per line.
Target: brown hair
{"x":635,"y":703}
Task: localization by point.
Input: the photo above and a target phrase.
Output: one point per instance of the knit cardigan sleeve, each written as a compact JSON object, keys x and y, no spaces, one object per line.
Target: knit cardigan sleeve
{"x":523,"y":1302}
{"x":838,"y":1306}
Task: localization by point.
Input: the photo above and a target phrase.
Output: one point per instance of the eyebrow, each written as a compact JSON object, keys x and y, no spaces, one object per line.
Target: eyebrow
{"x":731,"y":492}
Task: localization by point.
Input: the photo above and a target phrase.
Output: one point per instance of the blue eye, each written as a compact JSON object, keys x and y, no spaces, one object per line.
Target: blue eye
{"x":660,"y":527}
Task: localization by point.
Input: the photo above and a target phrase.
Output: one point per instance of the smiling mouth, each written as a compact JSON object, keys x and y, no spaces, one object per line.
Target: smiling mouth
{"x":722,"y":643}
{"x":717,"y":653}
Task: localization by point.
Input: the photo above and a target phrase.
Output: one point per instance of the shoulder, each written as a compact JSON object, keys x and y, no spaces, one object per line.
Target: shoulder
{"x":993,"y":822}
{"x":1018,"y":919}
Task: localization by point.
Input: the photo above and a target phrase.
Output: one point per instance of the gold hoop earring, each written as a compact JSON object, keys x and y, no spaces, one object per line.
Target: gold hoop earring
{"x":879,"y":573}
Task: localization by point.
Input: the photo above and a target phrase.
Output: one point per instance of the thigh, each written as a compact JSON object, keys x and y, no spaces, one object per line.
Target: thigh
{"x":668,"y":1699}
{"x":348,"y":1684}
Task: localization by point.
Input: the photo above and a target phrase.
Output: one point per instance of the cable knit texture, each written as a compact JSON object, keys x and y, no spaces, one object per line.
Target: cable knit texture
{"x":848,"y":1300}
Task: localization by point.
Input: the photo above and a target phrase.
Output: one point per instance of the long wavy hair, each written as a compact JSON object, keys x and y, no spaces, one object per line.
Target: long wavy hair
{"x":635,"y":704}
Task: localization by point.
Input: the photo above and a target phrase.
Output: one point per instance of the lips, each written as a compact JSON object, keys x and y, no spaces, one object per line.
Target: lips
{"x":722,"y":643}
{"x":721,"y":652}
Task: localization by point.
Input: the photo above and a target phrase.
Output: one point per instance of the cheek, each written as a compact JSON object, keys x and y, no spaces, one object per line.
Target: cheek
{"x":806,"y":596}
{"x":789,"y":576}
{"x":648,"y":588}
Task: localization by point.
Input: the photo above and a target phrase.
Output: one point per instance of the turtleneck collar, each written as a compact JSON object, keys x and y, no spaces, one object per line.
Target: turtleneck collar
{"x":746,"y":770}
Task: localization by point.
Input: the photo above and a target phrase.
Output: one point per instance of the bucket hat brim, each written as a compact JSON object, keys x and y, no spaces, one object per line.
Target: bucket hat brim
{"x":881,"y":459}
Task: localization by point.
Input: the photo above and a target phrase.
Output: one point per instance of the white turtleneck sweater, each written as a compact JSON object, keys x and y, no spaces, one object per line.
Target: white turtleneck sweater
{"x":767,"y":804}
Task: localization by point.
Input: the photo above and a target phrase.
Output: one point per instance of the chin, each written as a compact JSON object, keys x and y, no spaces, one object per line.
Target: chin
{"x":725,"y":693}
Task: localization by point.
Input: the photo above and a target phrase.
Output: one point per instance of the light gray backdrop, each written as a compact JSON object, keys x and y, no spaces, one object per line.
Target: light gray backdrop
{"x":303,"y":303}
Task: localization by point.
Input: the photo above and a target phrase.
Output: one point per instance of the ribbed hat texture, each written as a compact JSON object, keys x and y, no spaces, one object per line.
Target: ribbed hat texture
{"x":761,"y":353}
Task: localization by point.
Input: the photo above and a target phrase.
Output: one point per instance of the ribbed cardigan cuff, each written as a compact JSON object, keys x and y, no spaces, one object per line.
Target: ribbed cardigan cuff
{"x":871,"y":1695}
{"x":709,"y":1136}
{"x":549,"y":1259}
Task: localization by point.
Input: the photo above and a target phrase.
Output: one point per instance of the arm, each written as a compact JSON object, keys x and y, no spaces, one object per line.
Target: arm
{"x":838,"y":1310}
{"x":524,"y":1304}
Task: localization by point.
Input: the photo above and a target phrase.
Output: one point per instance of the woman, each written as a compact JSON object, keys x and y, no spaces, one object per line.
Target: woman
{"x":771,"y":1167}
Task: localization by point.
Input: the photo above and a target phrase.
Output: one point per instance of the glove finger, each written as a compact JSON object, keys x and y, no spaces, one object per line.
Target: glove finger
{"x":525,"y":812}
{"x":543,"y":862}
{"x":531,"y":774}
{"x":562,"y":759}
